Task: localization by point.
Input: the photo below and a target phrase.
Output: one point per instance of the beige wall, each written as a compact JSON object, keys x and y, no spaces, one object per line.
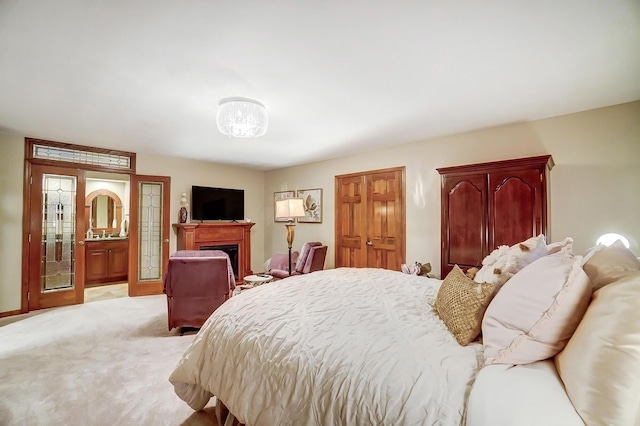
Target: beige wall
{"x":11,"y":176}
{"x":183,"y":173}
{"x":595,"y":184}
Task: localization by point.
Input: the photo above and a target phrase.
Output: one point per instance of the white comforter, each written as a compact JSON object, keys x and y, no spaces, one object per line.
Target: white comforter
{"x":335,"y":347}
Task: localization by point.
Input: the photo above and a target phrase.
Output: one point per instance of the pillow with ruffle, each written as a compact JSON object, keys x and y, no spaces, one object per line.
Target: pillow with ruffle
{"x":536,"y":312}
{"x":557,"y":246}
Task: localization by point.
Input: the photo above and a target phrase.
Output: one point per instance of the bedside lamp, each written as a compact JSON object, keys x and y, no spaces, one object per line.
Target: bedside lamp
{"x":290,"y":209}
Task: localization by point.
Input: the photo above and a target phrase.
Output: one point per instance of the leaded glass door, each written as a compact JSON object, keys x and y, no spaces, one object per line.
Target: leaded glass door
{"x":56,"y":237}
{"x":149,"y":233}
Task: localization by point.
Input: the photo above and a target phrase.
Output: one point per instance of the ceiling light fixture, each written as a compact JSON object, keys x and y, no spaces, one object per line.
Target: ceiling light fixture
{"x":242,"y":118}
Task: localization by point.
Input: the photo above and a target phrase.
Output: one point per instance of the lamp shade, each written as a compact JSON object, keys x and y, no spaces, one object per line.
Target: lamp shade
{"x":242,"y":118}
{"x":289,"y":208}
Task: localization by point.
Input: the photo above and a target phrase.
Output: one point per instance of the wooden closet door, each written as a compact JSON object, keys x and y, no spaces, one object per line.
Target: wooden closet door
{"x":351,"y":222}
{"x":516,"y":206}
{"x":370,"y":219}
{"x":385,"y":220}
{"x":464,"y":217}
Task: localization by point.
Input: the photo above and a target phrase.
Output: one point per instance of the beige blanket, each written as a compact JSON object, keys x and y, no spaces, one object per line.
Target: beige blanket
{"x":342,"y":346}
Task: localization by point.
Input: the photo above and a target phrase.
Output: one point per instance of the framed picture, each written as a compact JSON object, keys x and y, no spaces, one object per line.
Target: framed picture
{"x":282,"y":195}
{"x":312,"y":201}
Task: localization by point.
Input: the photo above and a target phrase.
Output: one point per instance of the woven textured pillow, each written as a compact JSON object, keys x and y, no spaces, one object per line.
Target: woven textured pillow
{"x":461,"y":304}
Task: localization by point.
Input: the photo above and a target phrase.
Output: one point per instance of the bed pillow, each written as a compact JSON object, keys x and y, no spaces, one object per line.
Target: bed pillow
{"x":461,"y":303}
{"x":557,"y":246}
{"x":508,"y":262}
{"x":525,"y":253}
{"x":600,"y":366}
{"x":536,"y":312}
{"x":607,"y":264}
{"x":486,"y":273}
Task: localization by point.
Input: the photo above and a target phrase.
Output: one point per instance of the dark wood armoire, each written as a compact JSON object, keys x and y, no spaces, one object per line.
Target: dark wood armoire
{"x":490,"y":204}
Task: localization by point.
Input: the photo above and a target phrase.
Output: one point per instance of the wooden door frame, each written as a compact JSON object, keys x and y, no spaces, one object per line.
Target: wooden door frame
{"x":364,"y":174}
{"x":30,"y":159}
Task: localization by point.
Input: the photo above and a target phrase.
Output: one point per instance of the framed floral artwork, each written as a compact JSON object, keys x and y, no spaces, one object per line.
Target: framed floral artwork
{"x":282,"y":195}
{"x":312,"y":201}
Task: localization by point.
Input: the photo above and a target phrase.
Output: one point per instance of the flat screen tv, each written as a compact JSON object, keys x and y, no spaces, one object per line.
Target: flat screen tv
{"x":216,"y":203}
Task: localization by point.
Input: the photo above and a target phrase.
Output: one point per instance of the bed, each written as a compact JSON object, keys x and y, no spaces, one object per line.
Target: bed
{"x":286,"y":353}
{"x":369,"y":346}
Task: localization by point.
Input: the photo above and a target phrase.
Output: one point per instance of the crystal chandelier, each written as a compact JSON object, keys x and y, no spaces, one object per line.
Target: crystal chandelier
{"x":242,"y":118}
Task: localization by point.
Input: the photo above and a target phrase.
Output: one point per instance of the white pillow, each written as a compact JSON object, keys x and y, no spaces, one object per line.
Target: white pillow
{"x":524,"y":253}
{"x":485,"y":274}
{"x":503,"y":263}
{"x":556,"y":247}
{"x":536,"y":312}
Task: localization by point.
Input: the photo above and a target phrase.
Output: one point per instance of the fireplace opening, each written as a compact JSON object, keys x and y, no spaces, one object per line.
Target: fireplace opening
{"x":232,"y":251}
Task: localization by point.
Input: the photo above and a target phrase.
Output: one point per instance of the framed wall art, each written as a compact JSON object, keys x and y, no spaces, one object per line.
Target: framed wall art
{"x":282,"y":195}
{"x":312,"y":201}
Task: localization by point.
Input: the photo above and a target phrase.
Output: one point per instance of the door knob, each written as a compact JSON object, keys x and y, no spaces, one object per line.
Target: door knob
{"x":81,"y":243}
{"x":369,"y":243}
{"x":166,"y":240}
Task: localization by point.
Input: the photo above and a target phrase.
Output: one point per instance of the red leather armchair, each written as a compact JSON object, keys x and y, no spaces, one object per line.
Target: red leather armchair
{"x":312,"y":257}
{"x":196,"y":284}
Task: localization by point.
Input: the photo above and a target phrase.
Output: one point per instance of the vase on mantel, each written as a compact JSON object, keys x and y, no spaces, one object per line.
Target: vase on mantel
{"x":183,"y":215}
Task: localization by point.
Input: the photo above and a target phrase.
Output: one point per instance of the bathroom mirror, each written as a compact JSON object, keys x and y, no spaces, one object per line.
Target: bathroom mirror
{"x":103,"y":212}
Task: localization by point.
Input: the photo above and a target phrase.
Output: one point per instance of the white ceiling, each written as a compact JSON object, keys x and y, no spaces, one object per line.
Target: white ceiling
{"x":336,"y":76}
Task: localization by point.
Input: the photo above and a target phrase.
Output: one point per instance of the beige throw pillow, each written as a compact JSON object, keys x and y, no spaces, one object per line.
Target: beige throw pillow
{"x":607,"y":264}
{"x":600,"y":366}
{"x":461,"y":304}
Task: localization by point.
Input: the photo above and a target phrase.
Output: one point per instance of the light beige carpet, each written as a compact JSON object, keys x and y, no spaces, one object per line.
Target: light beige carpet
{"x":101,"y":363}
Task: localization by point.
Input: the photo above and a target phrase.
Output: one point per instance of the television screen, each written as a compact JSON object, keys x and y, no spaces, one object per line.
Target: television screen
{"x":216,"y":203}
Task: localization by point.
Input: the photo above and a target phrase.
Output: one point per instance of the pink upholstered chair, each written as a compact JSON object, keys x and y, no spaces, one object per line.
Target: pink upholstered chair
{"x":312,"y":257}
{"x":196,"y":284}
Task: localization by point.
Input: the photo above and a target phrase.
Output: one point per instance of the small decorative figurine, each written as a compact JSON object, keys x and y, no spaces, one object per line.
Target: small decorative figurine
{"x":183,"y":208}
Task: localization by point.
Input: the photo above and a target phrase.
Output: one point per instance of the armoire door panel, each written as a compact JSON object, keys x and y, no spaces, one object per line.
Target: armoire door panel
{"x":515,"y":206}
{"x":465,"y":213}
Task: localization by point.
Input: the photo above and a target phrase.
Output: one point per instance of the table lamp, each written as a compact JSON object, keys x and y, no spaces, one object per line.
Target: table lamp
{"x":289,"y":209}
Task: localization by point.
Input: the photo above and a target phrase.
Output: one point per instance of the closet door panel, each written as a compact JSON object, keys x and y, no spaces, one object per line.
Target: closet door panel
{"x":351,"y":229}
{"x":385,"y":243}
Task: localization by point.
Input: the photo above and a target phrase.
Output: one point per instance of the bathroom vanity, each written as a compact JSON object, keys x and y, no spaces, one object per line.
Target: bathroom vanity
{"x":107,"y":260}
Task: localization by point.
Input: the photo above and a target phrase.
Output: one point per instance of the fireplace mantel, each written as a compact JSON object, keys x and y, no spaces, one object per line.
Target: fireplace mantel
{"x":192,"y":236}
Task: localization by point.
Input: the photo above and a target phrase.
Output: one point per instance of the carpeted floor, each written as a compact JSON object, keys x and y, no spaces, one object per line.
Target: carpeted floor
{"x":101,"y":363}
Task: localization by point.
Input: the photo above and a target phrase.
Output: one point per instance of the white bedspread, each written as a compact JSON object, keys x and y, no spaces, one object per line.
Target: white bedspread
{"x":335,"y":347}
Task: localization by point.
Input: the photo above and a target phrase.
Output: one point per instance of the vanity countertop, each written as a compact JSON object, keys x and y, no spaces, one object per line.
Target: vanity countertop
{"x":100,"y":238}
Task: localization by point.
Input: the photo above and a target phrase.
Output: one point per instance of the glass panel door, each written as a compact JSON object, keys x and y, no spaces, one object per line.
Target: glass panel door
{"x":149,"y":232}
{"x":56,"y":237}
